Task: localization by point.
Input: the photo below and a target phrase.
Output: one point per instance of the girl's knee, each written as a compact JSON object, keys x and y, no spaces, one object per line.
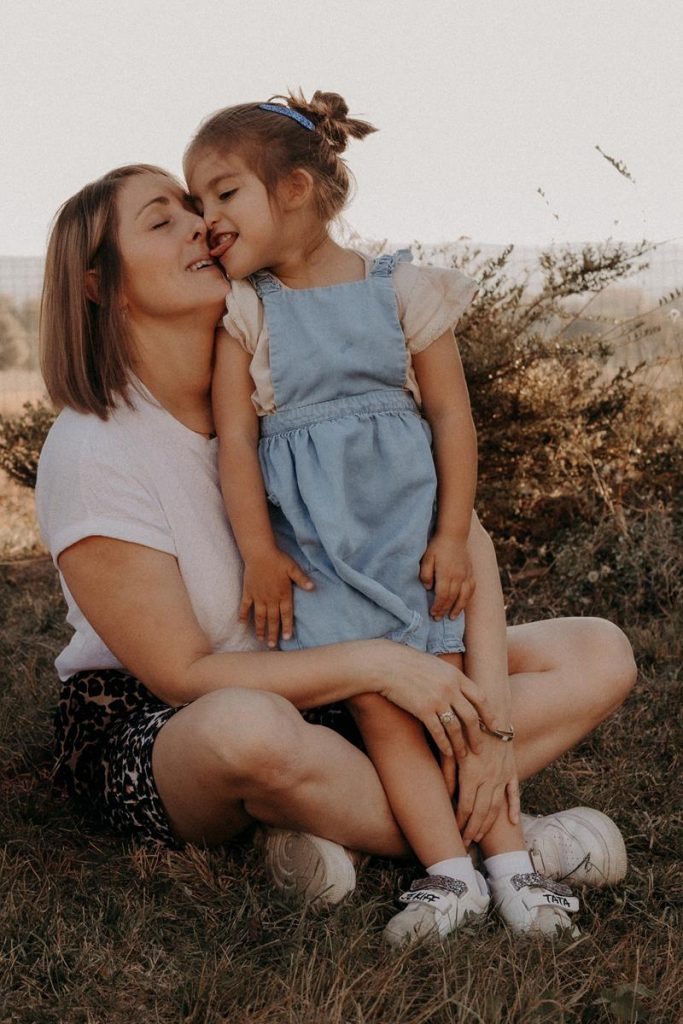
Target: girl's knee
{"x":366,"y":705}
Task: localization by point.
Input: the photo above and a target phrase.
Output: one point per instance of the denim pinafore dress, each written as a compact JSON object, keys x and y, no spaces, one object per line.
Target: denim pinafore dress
{"x":347,"y":463}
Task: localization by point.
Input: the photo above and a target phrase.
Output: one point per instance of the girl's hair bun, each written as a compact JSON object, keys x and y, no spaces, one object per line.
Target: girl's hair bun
{"x":329,"y":113}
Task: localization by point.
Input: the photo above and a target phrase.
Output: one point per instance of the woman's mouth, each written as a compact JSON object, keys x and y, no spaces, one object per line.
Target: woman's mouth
{"x":201,"y":264}
{"x":223,"y":243}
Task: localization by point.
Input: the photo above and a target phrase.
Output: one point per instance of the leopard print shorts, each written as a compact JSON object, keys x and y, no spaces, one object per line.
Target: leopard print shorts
{"x":106,"y":722}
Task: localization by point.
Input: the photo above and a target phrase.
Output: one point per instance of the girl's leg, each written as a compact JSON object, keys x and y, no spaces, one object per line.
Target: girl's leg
{"x":236,"y":756}
{"x":452,"y":894}
{"x":410,"y":776}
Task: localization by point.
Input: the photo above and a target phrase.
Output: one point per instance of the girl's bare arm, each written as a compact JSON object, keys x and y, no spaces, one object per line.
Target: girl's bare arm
{"x":269,"y":572}
{"x":445,"y":404}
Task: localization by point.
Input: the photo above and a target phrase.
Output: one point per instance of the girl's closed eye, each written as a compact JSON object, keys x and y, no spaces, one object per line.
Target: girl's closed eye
{"x":224,"y":196}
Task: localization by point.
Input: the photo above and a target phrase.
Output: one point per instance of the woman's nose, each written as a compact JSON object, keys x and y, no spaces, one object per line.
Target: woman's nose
{"x":198,"y":228}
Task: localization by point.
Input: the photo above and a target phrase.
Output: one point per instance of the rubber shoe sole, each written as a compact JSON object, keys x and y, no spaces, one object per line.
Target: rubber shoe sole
{"x":306,"y":868}
{"x":580,"y":845}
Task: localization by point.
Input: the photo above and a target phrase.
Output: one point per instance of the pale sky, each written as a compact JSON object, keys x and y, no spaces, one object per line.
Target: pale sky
{"x":479,"y":104}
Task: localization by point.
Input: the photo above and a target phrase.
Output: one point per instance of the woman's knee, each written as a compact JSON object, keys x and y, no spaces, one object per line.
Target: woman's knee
{"x":614,"y":665}
{"x":253,"y":735}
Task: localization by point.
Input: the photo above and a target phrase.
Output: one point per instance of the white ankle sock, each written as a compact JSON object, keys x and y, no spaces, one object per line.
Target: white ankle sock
{"x":517,"y":862}
{"x":456,"y":867}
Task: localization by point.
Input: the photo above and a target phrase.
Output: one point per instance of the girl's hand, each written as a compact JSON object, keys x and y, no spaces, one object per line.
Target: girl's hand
{"x":487,"y":782}
{"x":267,"y":587}
{"x":430,"y":688}
{"x":446,"y":568}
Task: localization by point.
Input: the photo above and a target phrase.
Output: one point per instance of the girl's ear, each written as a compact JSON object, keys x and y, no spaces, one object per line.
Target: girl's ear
{"x":92,"y":285}
{"x":296,"y":189}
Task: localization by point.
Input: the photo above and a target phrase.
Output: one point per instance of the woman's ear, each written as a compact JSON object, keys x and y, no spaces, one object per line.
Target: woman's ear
{"x":296,"y":189}
{"x":92,"y":285}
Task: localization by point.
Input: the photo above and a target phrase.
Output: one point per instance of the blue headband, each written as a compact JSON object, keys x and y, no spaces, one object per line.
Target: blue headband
{"x":280,"y":108}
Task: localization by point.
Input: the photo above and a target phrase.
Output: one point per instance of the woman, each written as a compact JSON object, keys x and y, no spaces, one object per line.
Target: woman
{"x":172,"y":723}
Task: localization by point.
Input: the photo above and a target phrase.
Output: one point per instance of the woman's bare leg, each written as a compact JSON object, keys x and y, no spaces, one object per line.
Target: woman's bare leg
{"x":566,"y":676}
{"x":236,"y":756}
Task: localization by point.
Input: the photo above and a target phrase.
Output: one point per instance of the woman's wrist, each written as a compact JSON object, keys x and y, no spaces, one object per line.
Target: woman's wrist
{"x":504,"y":733}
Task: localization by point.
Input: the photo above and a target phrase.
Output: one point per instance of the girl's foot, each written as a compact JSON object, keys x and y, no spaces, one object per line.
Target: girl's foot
{"x":581,"y":845}
{"x":531,"y":903}
{"x":437,"y":906}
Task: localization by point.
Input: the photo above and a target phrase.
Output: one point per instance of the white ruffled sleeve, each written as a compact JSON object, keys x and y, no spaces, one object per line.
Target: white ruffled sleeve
{"x":244,"y":315}
{"x":430,"y":300}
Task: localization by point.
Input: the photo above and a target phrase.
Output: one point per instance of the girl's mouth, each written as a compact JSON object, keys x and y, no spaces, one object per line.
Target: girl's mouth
{"x":223,"y":243}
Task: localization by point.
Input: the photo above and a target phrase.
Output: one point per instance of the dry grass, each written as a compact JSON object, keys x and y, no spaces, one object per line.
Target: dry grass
{"x":98,"y":931}
{"x":19,"y":535}
{"x":581,"y":487}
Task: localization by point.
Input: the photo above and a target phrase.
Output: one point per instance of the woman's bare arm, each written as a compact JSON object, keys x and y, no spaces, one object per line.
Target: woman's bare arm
{"x":136,"y":601}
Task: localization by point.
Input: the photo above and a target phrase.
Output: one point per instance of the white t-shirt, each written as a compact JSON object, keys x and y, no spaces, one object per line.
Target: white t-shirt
{"x":141,"y":476}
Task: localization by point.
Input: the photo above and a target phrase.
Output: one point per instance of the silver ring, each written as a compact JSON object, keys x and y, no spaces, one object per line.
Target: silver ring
{"x":446,"y":717}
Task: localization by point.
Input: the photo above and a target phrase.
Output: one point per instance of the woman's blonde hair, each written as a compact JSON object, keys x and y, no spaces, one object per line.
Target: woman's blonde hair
{"x":86,"y":350}
{"x":273,"y":145}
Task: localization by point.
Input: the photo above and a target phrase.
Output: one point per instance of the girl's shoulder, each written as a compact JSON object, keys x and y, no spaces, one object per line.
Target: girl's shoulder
{"x":430,"y":301}
{"x":243,"y":318}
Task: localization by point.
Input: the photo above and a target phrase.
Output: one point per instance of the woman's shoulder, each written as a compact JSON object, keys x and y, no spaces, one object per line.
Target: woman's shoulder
{"x":73,"y":434}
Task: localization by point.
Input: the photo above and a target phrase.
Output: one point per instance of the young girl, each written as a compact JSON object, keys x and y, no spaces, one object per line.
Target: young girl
{"x":334,"y":370}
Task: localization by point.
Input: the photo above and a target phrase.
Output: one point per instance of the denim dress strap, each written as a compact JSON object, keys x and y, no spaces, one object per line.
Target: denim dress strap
{"x":265,"y":283}
{"x":384,"y":265}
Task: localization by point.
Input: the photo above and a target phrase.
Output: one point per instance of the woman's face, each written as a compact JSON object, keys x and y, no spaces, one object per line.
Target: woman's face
{"x":167,"y":272}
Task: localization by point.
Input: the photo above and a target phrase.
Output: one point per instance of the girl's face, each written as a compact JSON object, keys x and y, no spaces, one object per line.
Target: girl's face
{"x":244,"y":224}
{"x":167,"y":271}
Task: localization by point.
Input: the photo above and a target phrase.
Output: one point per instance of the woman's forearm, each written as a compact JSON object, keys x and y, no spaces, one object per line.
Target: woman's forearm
{"x":320,"y":675}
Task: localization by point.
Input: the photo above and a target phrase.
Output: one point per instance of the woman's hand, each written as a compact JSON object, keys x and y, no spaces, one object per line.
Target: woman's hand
{"x":446,"y":568}
{"x":267,"y":588}
{"x":430,"y":689}
{"x":487,"y":781}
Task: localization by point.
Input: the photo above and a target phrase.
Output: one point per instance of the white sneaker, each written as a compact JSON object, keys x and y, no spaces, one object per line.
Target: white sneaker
{"x":437,"y":905}
{"x":581,"y":845}
{"x":531,"y":903}
{"x":306,"y":867}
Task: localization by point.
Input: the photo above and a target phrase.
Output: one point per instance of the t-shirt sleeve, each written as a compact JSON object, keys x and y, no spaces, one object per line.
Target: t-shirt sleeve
{"x":83,"y":491}
{"x":430,"y":300}
{"x":244,"y":315}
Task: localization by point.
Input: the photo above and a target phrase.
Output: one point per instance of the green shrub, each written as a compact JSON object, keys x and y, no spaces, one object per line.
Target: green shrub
{"x":21,"y":438}
{"x":566,"y":447}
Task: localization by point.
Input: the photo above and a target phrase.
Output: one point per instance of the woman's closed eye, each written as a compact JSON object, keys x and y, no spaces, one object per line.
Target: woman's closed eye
{"x":160,"y":224}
